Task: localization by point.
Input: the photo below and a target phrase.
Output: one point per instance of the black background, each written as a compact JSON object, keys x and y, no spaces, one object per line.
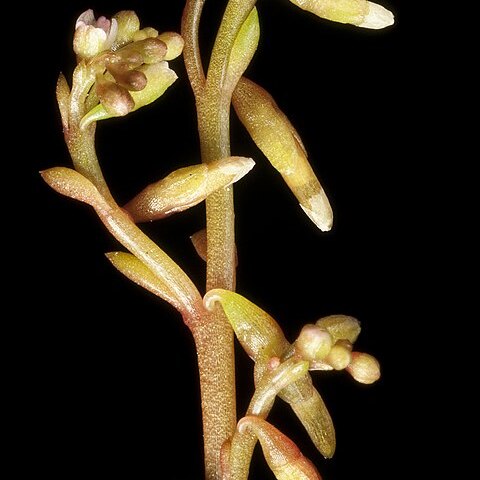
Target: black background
{"x":114,"y":381}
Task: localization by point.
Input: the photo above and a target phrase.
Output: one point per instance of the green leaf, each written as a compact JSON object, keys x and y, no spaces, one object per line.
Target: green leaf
{"x":259,"y":334}
{"x":138,"y":272}
{"x":186,"y":187}
{"x":282,"y":455}
{"x":243,"y":49}
{"x":271,"y":130}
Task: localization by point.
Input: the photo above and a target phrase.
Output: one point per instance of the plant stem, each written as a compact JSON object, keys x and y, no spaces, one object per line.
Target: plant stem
{"x":81,"y":145}
{"x":214,"y":341}
{"x":191,"y":51}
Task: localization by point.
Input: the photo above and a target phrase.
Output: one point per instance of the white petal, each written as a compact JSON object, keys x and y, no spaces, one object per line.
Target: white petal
{"x":112,"y":34}
{"x":86,"y":18}
{"x":377,"y":17}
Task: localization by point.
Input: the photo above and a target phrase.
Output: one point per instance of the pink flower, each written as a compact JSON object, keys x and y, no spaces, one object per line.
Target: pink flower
{"x":93,"y":36}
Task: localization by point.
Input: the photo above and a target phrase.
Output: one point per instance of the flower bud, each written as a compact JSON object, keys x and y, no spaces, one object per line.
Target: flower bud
{"x":341,"y":327}
{"x":174,"y":43}
{"x":147,"y":32}
{"x":340,"y":355}
{"x":152,"y":50}
{"x":313,"y":343}
{"x":133,"y":80}
{"x":128,"y":23}
{"x":126,"y":59}
{"x":364,"y":368}
{"x":115,"y":99}
{"x":159,"y":78}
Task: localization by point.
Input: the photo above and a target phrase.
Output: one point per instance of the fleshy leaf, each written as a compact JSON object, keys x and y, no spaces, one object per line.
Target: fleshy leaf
{"x":72,"y":184}
{"x":259,"y":334}
{"x":282,"y":455}
{"x":243,"y":49}
{"x":186,"y":187}
{"x":310,"y":409}
{"x":356,"y":12}
{"x":271,"y":130}
{"x":139,"y":273}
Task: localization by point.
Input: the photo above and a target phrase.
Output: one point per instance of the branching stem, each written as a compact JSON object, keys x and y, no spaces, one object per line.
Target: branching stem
{"x":215,"y":344}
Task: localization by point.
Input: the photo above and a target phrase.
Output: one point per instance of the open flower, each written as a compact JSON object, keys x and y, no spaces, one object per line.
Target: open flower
{"x":127,"y":66}
{"x":93,"y":36}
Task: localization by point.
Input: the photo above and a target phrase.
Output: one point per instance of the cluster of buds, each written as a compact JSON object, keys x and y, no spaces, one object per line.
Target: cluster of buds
{"x":129,"y":64}
{"x":326,"y":345}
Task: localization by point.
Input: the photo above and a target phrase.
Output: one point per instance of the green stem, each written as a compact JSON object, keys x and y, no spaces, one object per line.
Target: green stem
{"x":214,"y":344}
{"x":191,"y":51}
{"x":81,"y":143}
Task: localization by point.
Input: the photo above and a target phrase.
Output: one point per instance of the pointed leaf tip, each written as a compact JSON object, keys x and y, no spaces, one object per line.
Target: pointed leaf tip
{"x":319,"y":211}
{"x":377,"y":17}
{"x":72,"y":184}
{"x":63,"y":99}
{"x":273,"y":133}
{"x":243,"y":49}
